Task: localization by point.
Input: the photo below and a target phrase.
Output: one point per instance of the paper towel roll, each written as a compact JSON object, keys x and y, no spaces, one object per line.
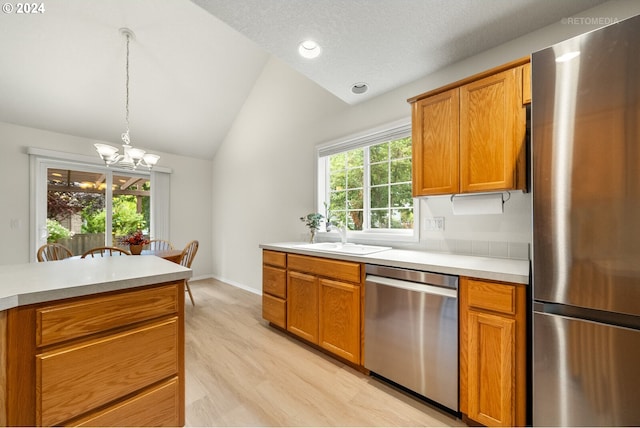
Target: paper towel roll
{"x":486,"y":203}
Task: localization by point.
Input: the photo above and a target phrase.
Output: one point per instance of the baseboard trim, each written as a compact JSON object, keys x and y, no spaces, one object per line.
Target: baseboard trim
{"x":237,"y":284}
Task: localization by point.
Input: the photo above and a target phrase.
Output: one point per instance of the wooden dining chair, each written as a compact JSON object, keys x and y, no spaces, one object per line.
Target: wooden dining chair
{"x":159,"y":245}
{"x":186,"y":259}
{"x":105,"y":252}
{"x":51,"y":252}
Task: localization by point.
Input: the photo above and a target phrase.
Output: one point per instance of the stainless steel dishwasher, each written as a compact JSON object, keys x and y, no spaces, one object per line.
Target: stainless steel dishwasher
{"x":411,"y":331}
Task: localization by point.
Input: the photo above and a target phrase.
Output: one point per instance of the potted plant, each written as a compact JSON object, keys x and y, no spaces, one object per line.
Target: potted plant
{"x":135,"y":242}
{"x":312,"y":220}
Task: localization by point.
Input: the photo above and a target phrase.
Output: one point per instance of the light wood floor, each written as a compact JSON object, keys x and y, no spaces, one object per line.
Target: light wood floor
{"x":241,"y":372}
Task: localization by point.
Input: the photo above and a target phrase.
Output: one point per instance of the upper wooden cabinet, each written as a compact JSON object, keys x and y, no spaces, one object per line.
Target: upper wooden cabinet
{"x":470,"y":136}
{"x":526,"y":83}
{"x":436,"y":144}
{"x":492,"y":131}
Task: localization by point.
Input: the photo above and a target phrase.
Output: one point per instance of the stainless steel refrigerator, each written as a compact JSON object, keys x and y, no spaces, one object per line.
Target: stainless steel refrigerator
{"x":586,"y":229}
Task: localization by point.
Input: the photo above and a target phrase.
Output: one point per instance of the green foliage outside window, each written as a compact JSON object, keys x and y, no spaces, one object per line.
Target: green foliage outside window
{"x":125,"y":219}
{"x":388,"y":190}
{"x":56,"y":231}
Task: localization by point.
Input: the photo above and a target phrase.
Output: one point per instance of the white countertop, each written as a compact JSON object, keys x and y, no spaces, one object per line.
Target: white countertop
{"x":497,"y":269}
{"x":30,"y":283}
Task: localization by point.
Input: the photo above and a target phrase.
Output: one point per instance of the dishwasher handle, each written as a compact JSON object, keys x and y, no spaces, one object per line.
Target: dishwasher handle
{"x":413,"y":286}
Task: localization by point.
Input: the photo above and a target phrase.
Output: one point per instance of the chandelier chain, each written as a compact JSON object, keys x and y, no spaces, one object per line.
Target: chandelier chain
{"x":127,"y":92}
{"x":131,"y":157}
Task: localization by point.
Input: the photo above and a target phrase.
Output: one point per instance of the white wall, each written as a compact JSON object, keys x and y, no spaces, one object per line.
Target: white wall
{"x":190,"y":216}
{"x":263,"y":178}
{"x":263,"y":172}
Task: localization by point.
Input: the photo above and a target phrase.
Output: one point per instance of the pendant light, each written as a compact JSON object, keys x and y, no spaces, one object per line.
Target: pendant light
{"x":131,"y":157}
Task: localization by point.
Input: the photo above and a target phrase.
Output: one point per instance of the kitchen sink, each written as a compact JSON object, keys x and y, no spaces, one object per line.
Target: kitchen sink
{"x":348,"y":248}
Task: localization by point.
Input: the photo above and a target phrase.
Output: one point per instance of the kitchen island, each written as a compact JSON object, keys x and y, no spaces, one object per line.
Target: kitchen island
{"x":92,"y":342}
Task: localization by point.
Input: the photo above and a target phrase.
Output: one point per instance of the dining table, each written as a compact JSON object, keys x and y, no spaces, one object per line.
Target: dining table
{"x":171,"y":255}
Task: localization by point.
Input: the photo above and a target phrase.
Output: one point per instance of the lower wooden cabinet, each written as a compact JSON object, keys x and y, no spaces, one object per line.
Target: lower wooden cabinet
{"x":321,"y":302}
{"x":274,"y":287}
{"x":324,"y":304}
{"x":112,"y":359}
{"x":493,"y":352}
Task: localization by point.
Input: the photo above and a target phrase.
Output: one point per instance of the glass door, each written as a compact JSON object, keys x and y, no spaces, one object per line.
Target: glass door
{"x":130,"y":207}
{"x":76,"y":208}
{"x":87,"y":207}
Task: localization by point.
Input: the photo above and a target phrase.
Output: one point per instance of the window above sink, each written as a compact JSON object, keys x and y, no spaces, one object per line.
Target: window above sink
{"x":364,"y":183}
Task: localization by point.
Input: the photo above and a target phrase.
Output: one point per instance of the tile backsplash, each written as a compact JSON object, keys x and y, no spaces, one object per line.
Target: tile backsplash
{"x":505,"y":235}
{"x":507,"y":250}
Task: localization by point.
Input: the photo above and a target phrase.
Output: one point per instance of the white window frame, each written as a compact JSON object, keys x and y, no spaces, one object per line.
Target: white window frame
{"x":389,"y":132}
{"x":42,"y":159}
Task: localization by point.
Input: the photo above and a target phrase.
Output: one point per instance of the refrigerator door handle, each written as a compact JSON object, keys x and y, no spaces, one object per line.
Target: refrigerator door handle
{"x":586,"y":314}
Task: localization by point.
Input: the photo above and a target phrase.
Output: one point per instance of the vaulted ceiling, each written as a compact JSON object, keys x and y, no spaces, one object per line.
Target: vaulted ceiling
{"x":193,"y":63}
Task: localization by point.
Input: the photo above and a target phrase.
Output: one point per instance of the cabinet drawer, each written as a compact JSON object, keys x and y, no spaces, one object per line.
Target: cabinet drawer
{"x":274,"y":258}
{"x":274,"y":310}
{"x":335,"y":269}
{"x":77,"y":379}
{"x":492,"y":296}
{"x":62,"y":322}
{"x":274,"y":281}
{"x":158,"y":406}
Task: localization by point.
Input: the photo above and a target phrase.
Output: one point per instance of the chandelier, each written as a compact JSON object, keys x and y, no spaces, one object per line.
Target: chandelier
{"x":131,"y":157}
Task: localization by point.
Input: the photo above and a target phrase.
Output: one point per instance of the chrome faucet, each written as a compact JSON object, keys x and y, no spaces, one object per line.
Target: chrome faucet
{"x":342,"y":230}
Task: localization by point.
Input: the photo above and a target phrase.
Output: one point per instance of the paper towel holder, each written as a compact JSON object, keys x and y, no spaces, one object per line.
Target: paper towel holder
{"x":503,"y":198}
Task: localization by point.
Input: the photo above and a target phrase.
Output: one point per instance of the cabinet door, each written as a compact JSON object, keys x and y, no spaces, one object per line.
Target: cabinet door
{"x":491,"y":369}
{"x":526,"y":83}
{"x":302,"y":306}
{"x":435,"y":144}
{"x":340,"y":319}
{"x":492,"y":132}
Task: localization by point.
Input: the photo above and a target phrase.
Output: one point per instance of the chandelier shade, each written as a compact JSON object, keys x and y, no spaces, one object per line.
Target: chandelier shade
{"x":131,"y":157}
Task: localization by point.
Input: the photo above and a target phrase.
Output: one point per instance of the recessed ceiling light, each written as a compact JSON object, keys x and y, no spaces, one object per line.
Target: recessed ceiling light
{"x":359,"y":88}
{"x":309,"y":49}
